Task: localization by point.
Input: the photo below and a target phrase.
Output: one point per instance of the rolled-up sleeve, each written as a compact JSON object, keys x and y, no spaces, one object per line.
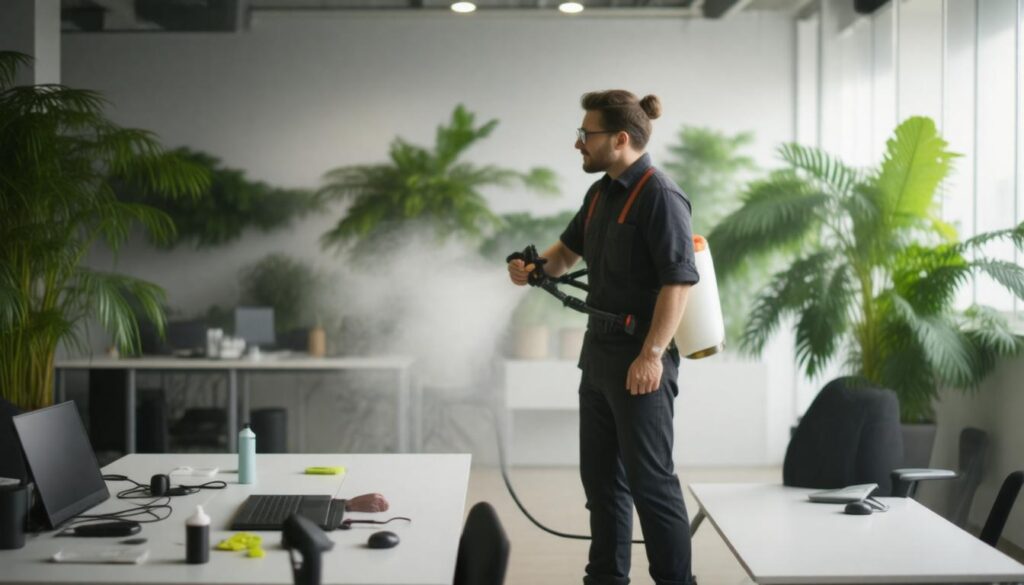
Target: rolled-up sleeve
{"x":669,"y":235}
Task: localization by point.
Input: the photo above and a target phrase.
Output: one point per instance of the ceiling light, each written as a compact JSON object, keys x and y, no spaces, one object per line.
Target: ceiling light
{"x":570,"y":7}
{"x":463,"y":7}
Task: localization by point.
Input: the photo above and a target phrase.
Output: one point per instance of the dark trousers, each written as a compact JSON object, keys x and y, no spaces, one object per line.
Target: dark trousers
{"x":626,"y":459}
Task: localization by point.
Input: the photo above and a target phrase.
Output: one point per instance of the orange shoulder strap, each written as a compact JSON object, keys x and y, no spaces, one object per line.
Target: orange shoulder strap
{"x":632,"y":196}
{"x":590,"y":210}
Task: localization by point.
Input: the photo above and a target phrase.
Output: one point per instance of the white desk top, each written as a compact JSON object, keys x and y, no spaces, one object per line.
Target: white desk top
{"x":267,"y":362}
{"x":430,"y":489}
{"x":781,"y":537}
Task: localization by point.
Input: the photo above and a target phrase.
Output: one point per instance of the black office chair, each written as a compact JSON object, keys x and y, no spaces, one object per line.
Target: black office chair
{"x":849,"y":435}
{"x":483,"y":549}
{"x":1001,"y":508}
{"x":973,"y":446}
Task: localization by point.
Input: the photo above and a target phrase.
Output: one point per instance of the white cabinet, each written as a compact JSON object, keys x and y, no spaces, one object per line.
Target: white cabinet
{"x":724,"y":414}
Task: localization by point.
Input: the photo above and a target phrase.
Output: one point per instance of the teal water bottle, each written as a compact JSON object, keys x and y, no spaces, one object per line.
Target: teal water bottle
{"x":246,"y":455}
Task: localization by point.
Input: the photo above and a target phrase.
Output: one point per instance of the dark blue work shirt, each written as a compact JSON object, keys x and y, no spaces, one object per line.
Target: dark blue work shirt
{"x":629,"y":262}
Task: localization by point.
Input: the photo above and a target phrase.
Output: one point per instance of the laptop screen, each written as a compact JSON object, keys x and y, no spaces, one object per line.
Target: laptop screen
{"x":61,"y":461}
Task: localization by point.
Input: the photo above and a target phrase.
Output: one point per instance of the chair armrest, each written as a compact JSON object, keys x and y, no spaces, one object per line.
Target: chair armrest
{"x":904,"y":480}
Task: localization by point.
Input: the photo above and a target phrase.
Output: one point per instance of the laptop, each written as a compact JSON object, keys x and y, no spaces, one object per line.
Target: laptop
{"x":268,"y":512}
{"x":61,"y":462}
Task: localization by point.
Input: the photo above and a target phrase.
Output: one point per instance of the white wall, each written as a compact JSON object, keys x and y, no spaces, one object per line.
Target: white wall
{"x":299,"y":94}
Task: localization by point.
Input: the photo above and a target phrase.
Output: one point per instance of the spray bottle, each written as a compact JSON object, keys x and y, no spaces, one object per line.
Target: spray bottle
{"x":197,"y":538}
{"x":246,"y":455}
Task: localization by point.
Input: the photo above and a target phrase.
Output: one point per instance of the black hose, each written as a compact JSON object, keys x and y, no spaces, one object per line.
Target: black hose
{"x":503,"y":465}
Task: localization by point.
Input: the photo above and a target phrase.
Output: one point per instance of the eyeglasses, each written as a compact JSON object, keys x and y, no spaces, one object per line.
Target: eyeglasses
{"x":582,"y":133}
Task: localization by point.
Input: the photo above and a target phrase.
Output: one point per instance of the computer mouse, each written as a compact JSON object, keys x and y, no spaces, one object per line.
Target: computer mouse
{"x":858,"y":508}
{"x":382,"y":539}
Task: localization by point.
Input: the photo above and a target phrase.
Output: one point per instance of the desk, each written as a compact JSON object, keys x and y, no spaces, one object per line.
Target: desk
{"x":406,"y":418}
{"x":430,"y":489}
{"x":779,"y":536}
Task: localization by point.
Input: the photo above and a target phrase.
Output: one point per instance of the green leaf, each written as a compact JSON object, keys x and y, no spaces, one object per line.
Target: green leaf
{"x":775,"y":213}
{"x":788,"y":292}
{"x":916,"y":161}
{"x":943,"y":346}
{"x":829,"y":172}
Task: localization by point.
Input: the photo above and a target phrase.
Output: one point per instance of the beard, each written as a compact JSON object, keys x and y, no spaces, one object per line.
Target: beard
{"x":594,"y":162}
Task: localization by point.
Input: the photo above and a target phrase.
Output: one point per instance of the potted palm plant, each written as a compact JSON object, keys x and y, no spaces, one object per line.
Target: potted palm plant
{"x":434,"y":187}
{"x":873,"y":272}
{"x":59,"y":159}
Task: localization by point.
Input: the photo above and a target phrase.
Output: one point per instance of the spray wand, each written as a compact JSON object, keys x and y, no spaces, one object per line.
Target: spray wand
{"x":539,"y":278}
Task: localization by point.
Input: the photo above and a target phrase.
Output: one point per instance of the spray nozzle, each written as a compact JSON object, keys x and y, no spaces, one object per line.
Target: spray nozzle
{"x":530,"y":256}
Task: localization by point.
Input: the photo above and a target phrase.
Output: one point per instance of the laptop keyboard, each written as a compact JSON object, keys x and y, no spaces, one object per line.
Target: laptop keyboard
{"x":268,"y":512}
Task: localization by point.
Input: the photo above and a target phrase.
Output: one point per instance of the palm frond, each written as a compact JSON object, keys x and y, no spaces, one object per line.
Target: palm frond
{"x":429,"y":187}
{"x":944,"y":348}
{"x":10,"y":61}
{"x":14,"y":306}
{"x":775,"y":213}
{"x":110,"y":297}
{"x":787,"y":292}
{"x":990,"y":330}
{"x":1009,"y":274}
{"x":1014,"y":234}
{"x":823,"y":320}
{"x":916,"y":161}
{"x":830,"y":174}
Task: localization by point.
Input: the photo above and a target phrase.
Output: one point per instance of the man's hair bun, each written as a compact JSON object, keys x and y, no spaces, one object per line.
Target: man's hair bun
{"x":651,"y":106}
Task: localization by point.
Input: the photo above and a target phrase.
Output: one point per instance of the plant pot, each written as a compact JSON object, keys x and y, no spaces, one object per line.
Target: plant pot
{"x":918,"y":441}
{"x":317,"y":342}
{"x":531,"y":343}
{"x":570,"y":342}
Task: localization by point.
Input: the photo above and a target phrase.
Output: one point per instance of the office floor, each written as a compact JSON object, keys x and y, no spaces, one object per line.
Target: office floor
{"x":555,"y":497}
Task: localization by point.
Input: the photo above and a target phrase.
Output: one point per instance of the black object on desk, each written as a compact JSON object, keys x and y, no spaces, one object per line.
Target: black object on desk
{"x":301,"y":535}
{"x":383,"y":539}
{"x":269,"y":512}
{"x":13,"y":515}
{"x":114,"y":528}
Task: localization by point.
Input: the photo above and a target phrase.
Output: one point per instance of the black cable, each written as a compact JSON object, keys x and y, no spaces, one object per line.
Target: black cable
{"x":503,"y":466}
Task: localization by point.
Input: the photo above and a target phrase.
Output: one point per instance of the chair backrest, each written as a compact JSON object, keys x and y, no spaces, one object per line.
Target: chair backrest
{"x":483,"y":549}
{"x":849,"y":435}
{"x":971,"y":467}
{"x":1001,"y":508}
{"x":12,"y":462}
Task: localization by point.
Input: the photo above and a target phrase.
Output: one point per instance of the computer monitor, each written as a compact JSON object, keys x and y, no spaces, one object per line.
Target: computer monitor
{"x":61,"y":462}
{"x":255,"y":325}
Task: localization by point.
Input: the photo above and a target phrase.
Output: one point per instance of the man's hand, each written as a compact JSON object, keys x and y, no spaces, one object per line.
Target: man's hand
{"x":519,"y":273}
{"x":367,"y":503}
{"x":644,"y":374}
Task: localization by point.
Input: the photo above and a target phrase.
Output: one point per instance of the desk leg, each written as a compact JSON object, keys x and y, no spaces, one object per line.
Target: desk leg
{"x":245,"y":397}
{"x":129,"y":412}
{"x":59,"y":386}
{"x":696,"y":522}
{"x":403,"y":410}
{"x":417,"y":415}
{"x":232,"y":411}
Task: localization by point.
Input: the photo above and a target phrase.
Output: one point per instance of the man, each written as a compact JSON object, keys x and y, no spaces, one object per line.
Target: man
{"x":633,"y":230}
